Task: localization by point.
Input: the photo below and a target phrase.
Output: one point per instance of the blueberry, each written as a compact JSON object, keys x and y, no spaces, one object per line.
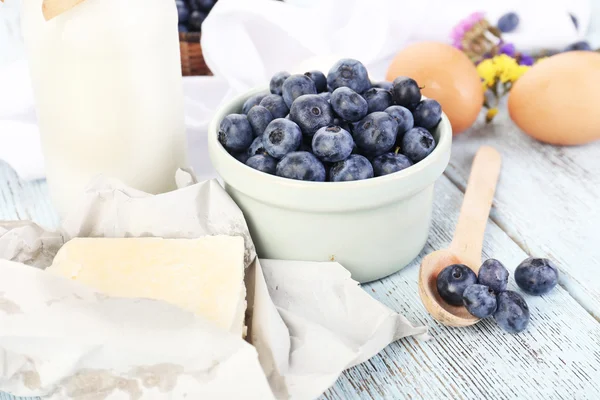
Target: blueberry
{"x":183,"y":13}
{"x":296,"y":86}
{"x":403,"y":117}
{"x":257,"y":147}
{"x":325,"y":95}
{"x":383,"y":85}
{"x":348,"y":104}
{"x":579,"y":46}
{"x":281,"y":137}
{"x":508,"y":22}
{"x":276,"y":105}
{"x":378,"y":99}
{"x":319,"y":79}
{"x":235,"y":133}
{"x":241,"y":157}
{"x":311,"y":112}
{"x":205,"y":5}
{"x":417,"y":144}
{"x":406,"y":92}
{"x":494,"y":275}
{"x":428,"y":114}
{"x":263,"y":162}
{"x":354,"y":168}
{"x":337,"y":121}
{"x":259,"y":117}
{"x":350,"y":73}
{"x":389,"y":163}
{"x":196,"y":20}
{"x":452,"y":282}
{"x":277,"y":82}
{"x":376,"y":133}
{"x":332,"y":144}
{"x":536,"y":276}
{"x":512,"y":312}
{"x":301,"y":165}
{"x":252,"y":101}
{"x":480,"y":301}
{"x":182,"y":28}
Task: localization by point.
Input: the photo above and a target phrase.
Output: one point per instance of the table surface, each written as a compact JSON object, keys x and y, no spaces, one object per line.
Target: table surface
{"x":546,"y":205}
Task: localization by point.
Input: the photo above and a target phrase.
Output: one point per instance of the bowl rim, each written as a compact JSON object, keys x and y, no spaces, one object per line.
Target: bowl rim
{"x":388,"y":188}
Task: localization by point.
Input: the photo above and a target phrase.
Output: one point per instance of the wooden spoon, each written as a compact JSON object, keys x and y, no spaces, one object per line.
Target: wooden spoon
{"x":467,"y":244}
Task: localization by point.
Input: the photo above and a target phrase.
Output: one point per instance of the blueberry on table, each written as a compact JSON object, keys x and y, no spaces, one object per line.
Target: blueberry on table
{"x":452,"y":282}
{"x":301,"y":165}
{"x":350,"y":73}
{"x":311,"y":112}
{"x":508,"y":22}
{"x":259,"y":117}
{"x":276,"y":105}
{"x":332,"y":144}
{"x":383,"y":85}
{"x":389,"y":163}
{"x":252,"y":101}
{"x":376,"y":133}
{"x":536,"y":276}
{"x":354,"y":168}
{"x":348,"y":104}
{"x":281,"y":137}
{"x":263,"y":162}
{"x":235,"y":133}
{"x":196,"y":20}
{"x":494,"y":275}
{"x":257,"y":147}
{"x":296,"y":86}
{"x":480,"y":301}
{"x":403,"y":117}
{"x":378,"y":99}
{"x":276,"y":83}
{"x":406,"y":92}
{"x":428,"y":114}
{"x":319,"y":79}
{"x":512,"y":312}
{"x":417,"y":144}
{"x":182,"y":28}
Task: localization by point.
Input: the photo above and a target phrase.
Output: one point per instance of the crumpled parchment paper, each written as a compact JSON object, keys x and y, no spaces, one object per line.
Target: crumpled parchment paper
{"x":307,"y":321}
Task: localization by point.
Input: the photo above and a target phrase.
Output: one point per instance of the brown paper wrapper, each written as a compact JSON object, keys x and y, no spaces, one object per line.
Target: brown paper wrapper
{"x":53,"y":8}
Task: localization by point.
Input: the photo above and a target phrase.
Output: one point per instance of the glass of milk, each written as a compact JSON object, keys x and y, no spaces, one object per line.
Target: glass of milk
{"x":107,"y":81}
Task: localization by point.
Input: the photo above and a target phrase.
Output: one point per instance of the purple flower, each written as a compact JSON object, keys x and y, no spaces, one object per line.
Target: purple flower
{"x":463,"y":27}
{"x":508,"y":49}
{"x":526,"y":60}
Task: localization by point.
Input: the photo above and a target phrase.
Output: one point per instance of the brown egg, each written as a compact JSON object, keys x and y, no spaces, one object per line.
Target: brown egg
{"x":448,"y":76}
{"x":557,"y":100}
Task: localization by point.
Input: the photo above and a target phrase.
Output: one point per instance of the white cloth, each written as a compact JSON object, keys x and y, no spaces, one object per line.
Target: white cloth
{"x":246,"y":41}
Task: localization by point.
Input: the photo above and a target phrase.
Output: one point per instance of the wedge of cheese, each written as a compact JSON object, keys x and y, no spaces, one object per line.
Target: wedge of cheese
{"x":204,"y":276}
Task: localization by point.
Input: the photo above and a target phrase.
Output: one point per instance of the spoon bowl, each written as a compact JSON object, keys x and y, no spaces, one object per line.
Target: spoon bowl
{"x":467,"y":243}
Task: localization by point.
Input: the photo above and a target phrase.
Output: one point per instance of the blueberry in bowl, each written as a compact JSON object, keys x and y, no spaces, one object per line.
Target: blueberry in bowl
{"x":343,"y":181}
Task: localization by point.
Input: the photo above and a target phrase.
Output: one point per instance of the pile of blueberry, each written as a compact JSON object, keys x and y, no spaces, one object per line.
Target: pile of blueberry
{"x":486,"y":295}
{"x":192,"y":13}
{"x":333,"y":128}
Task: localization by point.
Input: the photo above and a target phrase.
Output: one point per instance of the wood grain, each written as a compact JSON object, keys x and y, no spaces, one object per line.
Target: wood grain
{"x":548,"y":201}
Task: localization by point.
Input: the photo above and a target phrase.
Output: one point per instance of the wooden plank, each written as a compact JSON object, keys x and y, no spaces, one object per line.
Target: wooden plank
{"x":558,"y":357}
{"x":548,"y":201}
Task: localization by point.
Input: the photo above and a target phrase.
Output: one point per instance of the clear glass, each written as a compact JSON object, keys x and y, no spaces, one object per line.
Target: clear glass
{"x":108,"y":89}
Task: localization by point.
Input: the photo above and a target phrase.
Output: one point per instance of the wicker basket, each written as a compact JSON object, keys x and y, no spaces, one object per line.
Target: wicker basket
{"x":192,"y":60}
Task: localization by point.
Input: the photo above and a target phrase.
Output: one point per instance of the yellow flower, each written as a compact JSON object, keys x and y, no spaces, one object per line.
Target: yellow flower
{"x":507,"y":68}
{"x":541,"y":59}
{"x":491,"y":113}
{"x":487,"y":71}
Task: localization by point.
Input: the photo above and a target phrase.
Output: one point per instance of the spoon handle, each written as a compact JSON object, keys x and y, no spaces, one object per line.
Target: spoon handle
{"x":475,"y":210}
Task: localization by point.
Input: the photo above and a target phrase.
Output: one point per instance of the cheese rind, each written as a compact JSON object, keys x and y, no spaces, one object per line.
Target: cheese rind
{"x":204,"y":275}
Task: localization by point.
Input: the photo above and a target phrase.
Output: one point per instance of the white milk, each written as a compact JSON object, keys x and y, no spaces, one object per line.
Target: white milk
{"x":108,"y":88}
